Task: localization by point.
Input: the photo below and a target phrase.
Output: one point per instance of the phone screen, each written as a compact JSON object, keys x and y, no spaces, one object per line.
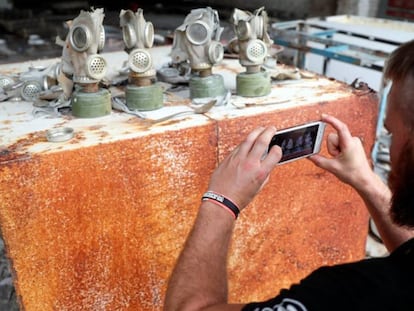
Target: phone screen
{"x":299,"y":142}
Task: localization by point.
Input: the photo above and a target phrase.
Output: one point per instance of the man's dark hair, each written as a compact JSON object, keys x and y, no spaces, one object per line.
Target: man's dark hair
{"x":400,"y":64}
{"x":400,"y":70}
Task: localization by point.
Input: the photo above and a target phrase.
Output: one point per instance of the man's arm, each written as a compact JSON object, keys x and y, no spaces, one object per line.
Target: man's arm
{"x":349,"y":163}
{"x":199,"y":280}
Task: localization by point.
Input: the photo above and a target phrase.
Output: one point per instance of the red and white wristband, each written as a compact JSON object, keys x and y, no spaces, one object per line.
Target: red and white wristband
{"x":222,"y":201}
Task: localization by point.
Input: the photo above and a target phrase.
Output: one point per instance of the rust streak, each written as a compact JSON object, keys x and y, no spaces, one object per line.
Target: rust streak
{"x":18,"y":150}
{"x":95,"y":127}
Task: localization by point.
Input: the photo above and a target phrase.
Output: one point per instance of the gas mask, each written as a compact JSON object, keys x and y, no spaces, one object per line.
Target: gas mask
{"x":29,"y":84}
{"x":85,"y":39}
{"x":138,"y":36}
{"x":142,"y":91}
{"x":37,"y":80}
{"x":253,"y":39}
{"x":8,"y":87}
{"x":81,"y":62}
{"x":197,"y":40}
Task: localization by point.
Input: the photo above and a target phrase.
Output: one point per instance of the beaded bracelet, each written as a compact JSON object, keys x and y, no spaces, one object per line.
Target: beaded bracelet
{"x":222,"y":201}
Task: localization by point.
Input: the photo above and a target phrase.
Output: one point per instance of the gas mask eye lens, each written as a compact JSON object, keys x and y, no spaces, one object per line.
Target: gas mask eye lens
{"x":148,"y":35}
{"x":243,"y":30}
{"x":198,"y":33}
{"x":101,"y":43}
{"x":130,"y":38}
{"x":80,"y":38}
{"x":215,"y":52}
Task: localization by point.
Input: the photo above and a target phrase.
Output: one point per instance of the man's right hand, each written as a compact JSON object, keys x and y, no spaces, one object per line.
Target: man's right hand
{"x":244,"y":172}
{"x":349,"y":162}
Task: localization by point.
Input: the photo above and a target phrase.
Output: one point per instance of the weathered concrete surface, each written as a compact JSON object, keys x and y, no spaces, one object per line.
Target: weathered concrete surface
{"x":97,"y":223}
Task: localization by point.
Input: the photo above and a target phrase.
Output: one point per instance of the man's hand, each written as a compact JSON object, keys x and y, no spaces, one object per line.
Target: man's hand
{"x":199,"y":280}
{"x":349,"y":162}
{"x":243,"y":173}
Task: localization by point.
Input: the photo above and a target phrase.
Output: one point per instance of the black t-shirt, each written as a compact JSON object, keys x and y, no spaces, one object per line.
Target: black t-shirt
{"x":378,"y":284}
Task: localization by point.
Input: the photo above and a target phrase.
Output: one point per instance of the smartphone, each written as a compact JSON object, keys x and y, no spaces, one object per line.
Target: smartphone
{"x":300,"y":141}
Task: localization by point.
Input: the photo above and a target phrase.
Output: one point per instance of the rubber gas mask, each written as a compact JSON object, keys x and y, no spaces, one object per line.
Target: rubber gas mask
{"x":197,"y":40}
{"x":81,"y":62}
{"x":29,"y":84}
{"x":138,"y":36}
{"x":142,"y":91}
{"x":253,"y":45}
{"x":253,"y":40}
{"x":86,"y":38}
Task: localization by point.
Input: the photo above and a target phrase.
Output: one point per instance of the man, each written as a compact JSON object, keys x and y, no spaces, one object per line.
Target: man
{"x":199,"y":279}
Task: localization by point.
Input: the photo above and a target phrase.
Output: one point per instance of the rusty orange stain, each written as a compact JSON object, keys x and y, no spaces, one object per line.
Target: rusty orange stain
{"x":19,"y":148}
{"x":94,"y":127}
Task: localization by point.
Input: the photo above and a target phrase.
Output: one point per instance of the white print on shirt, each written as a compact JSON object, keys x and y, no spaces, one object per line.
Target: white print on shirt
{"x":286,"y":305}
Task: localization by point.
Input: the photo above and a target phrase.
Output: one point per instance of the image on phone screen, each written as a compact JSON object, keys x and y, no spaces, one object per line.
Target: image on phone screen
{"x":300,"y":141}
